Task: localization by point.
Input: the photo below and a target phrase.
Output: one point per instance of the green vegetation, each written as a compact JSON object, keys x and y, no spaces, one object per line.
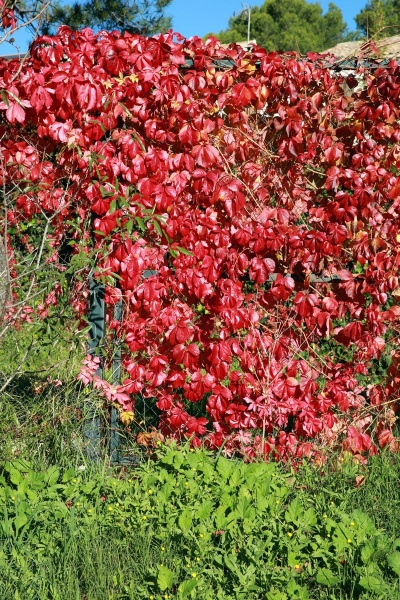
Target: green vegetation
{"x":185,"y":524}
{"x":40,"y":400}
{"x":287,"y":25}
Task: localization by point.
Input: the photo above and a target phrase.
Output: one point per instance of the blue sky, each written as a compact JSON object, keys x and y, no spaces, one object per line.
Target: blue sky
{"x":198,"y":17}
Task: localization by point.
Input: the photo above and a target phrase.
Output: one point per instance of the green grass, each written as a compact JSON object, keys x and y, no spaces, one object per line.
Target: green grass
{"x":91,"y":564}
{"x":378,"y":494}
{"x":41,"y":405}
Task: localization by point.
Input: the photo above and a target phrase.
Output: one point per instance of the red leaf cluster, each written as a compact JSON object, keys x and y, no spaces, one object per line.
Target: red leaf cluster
{"x":274,"y":188}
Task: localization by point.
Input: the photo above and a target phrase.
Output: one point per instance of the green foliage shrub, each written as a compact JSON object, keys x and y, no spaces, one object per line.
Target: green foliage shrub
{"x":185,"y":524}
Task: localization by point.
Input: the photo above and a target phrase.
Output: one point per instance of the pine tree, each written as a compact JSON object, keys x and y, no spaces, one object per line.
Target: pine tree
{"x":285,"y":25}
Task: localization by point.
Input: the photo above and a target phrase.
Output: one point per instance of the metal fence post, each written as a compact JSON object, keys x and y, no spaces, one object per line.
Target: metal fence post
{"x":116,"y":380}
{"x":96,"y":317}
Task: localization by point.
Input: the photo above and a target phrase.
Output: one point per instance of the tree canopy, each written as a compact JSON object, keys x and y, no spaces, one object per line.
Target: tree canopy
{"x":145,"y":17}
{"x":379,"y":18}
{"x":289,"y":25}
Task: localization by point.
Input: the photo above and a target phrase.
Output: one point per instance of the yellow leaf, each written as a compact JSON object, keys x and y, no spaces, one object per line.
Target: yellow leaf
{"x":248,"y":66}
{"x":120,"y":78}
{"x":126,"y":416}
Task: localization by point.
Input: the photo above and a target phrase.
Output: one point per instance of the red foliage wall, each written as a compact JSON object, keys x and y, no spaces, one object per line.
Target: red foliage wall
{"x":218,"y":177}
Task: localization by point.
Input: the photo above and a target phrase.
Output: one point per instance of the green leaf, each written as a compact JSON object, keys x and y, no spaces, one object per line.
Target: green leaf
{"x":309,"y":518}
{"x":296,"y":591}
{"x":20,"y":520}
{"x":101,"y":125}
{"x":140,"y":223}
{"x":187,"y":586}
{"x":15,"y":476}
{"x":208,"y":471}
{"x":231,"y":564}
{"x":372,"y":583}
{"x":219,"y":517}
{"x":5,"y":98}
{"x":367,"y":552}
{"x":165,"y":577}
{"x":32,"y":495}
{"x":129,"y":226}
{"x":184,"y":251}
{"x":244,"y":508}
{"x":88,"y":487}
{"x":185,"y":520}
{"x":225,"y":467}
{"x":125,"y":109}
{"x":68,"y":475}
{"x":396,"y":543}
{"x":327,"y":577}
{"x":236,"y":477}
{"x":6,"y":527}
{"x":294,"y":511}
{"x":205,"y":510}
{"x":166,"y":236}
{"x":60,"y":510}
{"x":275,"y":594}
{"x":394,"y":562}
{"x":157,"y":227}
{"x":37,"y":481}
{"x":52,"y":474}
{"x":364,"y":522}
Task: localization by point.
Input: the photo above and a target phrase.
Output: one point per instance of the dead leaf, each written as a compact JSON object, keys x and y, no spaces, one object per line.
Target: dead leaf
{"x":150,"y":438}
